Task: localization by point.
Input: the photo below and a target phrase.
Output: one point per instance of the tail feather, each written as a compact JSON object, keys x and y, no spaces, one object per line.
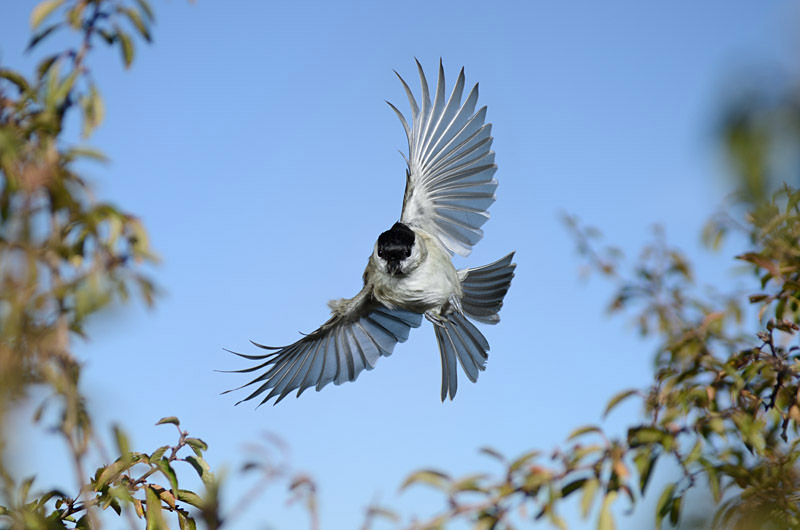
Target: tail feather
{"x":459,"y":339}
{"x":484,"y":289}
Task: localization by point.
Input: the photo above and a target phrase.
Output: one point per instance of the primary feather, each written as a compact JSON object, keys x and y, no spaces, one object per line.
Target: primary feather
{"x":347,"y":344}
{"x":449,"y":181}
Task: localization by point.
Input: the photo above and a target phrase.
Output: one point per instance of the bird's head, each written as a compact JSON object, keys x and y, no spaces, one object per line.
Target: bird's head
{"x":398,"y":251}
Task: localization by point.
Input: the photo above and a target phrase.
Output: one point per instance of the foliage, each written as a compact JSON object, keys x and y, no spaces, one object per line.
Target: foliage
{"x":724,"y":405}
{"x":65,"y":256}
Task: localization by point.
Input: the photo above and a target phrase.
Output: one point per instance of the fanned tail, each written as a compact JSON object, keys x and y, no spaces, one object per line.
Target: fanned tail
{"x":484,"y":289}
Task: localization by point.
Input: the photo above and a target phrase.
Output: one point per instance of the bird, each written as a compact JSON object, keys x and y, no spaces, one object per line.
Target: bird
{"x":450,"y":185}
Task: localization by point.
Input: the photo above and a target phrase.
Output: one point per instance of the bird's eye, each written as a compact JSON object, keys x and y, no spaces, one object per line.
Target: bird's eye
{"x":408,"y":252}
{"x":380,"y":253}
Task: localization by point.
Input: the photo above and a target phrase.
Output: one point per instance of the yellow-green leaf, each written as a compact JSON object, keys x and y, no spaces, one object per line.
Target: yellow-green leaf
{"x":675,"y":511}
{"x":15,"y":78}
{"x":185,"y":522}
{"x":155,"y":519}
{"x":434,"y":478}
{"x":202,"y":468}
{"x":617,"y":399}
{"x":664,"y":504}
{"x":590,"y":487}
{"x":583,"y":430}
{"x":137,"y":22}
{"x":606,"y":520}
{"x":494,"y":453}
{"x":522,"y":460}
{"x":190,"y":497}
{"x":126,"y":45}
{"x":41,"y":35}
{"x":146,"y":9}
{"x":43,"y":10}
{"x":197,"y":445}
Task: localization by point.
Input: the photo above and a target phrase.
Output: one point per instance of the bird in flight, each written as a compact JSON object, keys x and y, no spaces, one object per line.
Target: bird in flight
{"x":449,"y":187}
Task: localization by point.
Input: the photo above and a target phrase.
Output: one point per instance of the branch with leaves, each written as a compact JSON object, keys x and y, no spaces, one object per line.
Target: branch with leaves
{"x":722,"y":408}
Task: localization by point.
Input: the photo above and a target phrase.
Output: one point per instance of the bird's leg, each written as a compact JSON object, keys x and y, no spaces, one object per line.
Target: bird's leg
{"x":435,"y":318}
{"x":455,"y":303}
{"x":439,"y":316}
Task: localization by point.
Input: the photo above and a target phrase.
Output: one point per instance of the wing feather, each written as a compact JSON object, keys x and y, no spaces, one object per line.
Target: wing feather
{"x":347,"y":344}
{"x":449,"y":149}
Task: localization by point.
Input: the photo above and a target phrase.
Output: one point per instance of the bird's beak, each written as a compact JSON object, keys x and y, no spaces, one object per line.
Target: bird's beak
{"x":393,"y":266}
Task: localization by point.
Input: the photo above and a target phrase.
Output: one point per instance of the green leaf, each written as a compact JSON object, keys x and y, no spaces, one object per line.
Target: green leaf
{"x":606,"y":520}
{"x":385,"y":513}
{"x":695,"y":453}
{"x":41,"y":501}
{"x":43,"y":10}
{"x":110,"y":38}
{"x":45,"y":65}
{"x":648,"y":435}
{"x":197,"y":445}
{"x":93,"y":111}
{"x":15,"y":78}
{"x":122,"y":440}
{"x":169,"y":419}
{"x":137,"y":22}
{"x":645,"y":461}
{"x":572,"y":487}
{"x":618,"y":398}
{"x":190,"y":497}
{"x":522,"y":460}
{"x":469,"y":483}
{"x":86,"y":152}
{"x":166,"y":470}
{"x":157,"y":454}
{"x":144,"y":5}
{"x":110,"y":472}
{"x":493,"y":453}
{"x":675,"y":511}
{"x":202,"y":468}
{"x":154,"y":517}
{"x":65,"y":87}
{"x":431,"y":477}
{"x":185,"y":522}
{"x":713,"y":481}
{"x":39,"y":36}
{"x":25,"y":488}
{"x":590,"y":487}
{"x":126,"y":45}
{"x":664,"y":504}
{"x":583,"y":430}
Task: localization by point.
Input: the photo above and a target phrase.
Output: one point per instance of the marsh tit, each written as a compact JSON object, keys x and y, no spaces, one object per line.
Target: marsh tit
{"x":449,"y":187}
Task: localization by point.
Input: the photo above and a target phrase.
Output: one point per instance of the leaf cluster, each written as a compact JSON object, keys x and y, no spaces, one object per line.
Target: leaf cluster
{"x":144,"y":484}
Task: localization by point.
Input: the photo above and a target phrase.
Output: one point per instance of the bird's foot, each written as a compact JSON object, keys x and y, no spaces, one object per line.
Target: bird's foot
{"x":435,"y":318}
{"x":455,"y":303}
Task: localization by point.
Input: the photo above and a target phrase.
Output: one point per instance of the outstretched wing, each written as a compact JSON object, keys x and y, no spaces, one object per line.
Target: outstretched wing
{"x":449,"y":184}
{"x":348,"y":343}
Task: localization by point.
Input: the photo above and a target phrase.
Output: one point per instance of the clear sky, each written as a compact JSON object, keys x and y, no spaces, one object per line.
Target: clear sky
{"x":253,"y":139}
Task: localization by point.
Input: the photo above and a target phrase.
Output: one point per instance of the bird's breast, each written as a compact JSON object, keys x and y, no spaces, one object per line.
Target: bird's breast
{"x":427,"y":287}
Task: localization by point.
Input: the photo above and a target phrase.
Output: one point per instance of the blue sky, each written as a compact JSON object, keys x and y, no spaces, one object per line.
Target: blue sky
{"x":254,"y":141}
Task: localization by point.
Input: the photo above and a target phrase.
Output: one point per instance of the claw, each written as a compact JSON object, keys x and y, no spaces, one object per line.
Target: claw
{"x":435,"y":319}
